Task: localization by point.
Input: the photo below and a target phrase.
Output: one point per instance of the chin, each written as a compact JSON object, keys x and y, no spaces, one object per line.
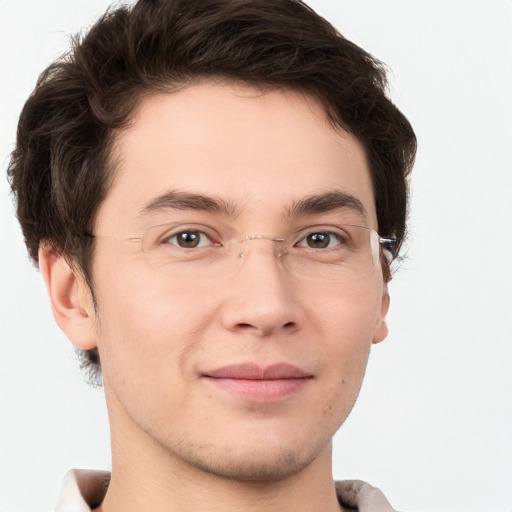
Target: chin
{"x":260,"y":467}
{"x":258,"y":458}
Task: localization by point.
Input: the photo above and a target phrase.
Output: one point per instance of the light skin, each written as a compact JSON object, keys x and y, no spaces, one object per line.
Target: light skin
{"x":182,"y":440}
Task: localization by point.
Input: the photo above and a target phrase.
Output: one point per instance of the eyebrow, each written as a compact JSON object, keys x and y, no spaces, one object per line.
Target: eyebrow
{"x":179,"y":200}
{"x":323,"y":203}
{"x":310,"y":205}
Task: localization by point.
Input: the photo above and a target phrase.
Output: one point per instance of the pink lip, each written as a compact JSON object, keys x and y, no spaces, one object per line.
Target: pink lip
{"x":263,"y":384}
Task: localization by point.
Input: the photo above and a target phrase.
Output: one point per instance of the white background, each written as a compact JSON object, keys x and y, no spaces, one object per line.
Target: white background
{"x":433,"y":425}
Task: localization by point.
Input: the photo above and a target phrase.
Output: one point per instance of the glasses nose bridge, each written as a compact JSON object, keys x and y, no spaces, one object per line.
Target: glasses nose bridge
{"x":247,"y":238}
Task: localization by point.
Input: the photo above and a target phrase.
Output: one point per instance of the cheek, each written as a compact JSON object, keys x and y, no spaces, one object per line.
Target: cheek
{"x":345,"y":322}
{"x":146,"y":324}
{"x":345,"y":311}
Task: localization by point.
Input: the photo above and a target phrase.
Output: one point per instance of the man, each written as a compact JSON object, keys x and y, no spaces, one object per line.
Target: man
{"x":214,"y":191}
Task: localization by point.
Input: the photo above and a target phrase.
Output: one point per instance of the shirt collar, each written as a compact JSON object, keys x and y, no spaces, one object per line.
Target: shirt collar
{"x":82,"y":490}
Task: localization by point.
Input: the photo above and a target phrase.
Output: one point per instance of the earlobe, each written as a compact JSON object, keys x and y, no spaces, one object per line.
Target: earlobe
{"x":70,"y":298}
{"x":381,"y":330}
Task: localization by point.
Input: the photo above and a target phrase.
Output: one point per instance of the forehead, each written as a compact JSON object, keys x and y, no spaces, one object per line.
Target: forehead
{"x":259,"y":151}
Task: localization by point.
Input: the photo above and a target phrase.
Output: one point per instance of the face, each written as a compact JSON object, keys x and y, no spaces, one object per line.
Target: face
{"x":249,"y":375}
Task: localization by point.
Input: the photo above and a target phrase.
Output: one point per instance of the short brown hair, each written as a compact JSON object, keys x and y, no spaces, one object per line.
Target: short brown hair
{"x":59,"y":170}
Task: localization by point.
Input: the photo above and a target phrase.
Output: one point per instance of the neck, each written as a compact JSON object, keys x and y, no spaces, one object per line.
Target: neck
{"x":146,"y":476}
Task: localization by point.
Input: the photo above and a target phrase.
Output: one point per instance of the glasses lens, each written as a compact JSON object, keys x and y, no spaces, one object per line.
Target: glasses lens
{"x":338,"y":253}
{"x":345,"y":253}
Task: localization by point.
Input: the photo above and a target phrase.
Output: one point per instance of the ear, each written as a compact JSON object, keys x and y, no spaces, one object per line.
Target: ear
{"x":70,"y":297}
{"x":381,"y":329}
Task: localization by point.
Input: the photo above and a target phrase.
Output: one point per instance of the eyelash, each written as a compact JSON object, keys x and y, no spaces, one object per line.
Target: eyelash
{"x":167,"y":238}
{"x":303,"y":239}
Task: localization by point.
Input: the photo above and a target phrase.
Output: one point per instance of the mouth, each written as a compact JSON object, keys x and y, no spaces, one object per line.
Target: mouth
{"x":262,"y":384}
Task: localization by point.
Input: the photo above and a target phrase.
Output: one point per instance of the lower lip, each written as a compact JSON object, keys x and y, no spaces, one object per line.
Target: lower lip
{"x":260,"y":390}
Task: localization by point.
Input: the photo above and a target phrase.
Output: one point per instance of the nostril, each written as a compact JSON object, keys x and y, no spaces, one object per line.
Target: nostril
{"x":242,"y":326}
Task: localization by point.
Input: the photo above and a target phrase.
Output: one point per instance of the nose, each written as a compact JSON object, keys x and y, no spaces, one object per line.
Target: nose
{"x":261,"y":300}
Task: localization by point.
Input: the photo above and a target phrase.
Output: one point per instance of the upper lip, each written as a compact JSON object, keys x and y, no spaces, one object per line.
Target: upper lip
{"x":251,"y":371}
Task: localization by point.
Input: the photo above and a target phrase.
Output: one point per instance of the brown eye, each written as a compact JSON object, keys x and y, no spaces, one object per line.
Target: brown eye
{"x":318,"y":240}
{"x":323,"y":240}
{"x":189,"y":239}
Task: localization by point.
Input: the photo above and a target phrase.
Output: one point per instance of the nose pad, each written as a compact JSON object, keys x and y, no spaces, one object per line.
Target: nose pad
{"x":243,"y":250}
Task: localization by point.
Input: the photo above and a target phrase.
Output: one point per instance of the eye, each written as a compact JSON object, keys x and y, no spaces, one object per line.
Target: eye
{"x":190,"y":239}
{"x":322,"y":240}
